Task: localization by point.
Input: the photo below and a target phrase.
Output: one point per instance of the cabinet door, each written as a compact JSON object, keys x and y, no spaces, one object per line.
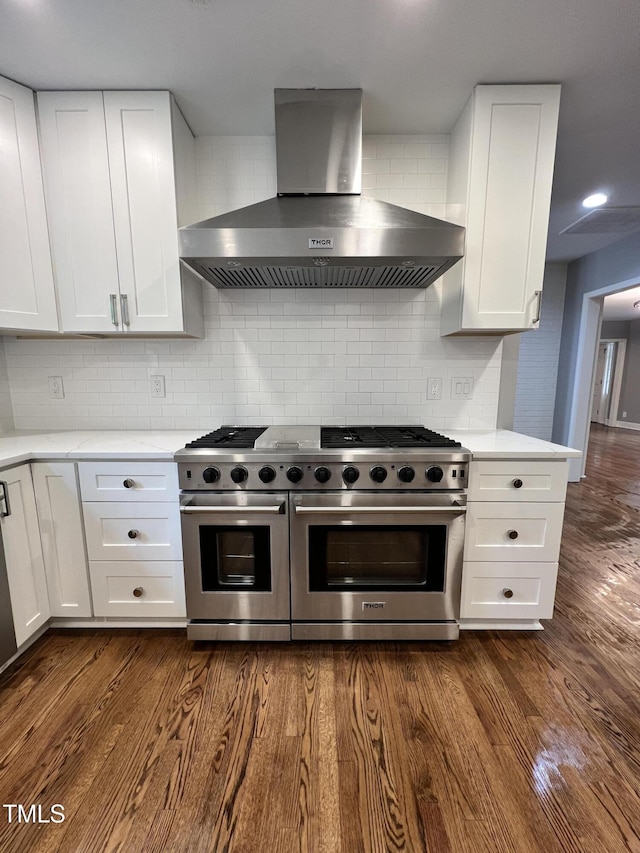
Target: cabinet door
{"x":508,"y":590}
{"x":133,"y":531}
{"x":27,"y":297}
{"x":78,"y":192}
{"x":499,"y":187}
{"x":513,"y":532}
{"x":62,"y":537}
{"x":23,"y":553}
{"x":143,"y":191}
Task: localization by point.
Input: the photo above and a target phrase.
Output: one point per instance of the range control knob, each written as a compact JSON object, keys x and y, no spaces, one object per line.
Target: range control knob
{"x":322,"y":474}
{"x":239,"y":474}
{"x":406,"y":474}
{"x":267,"y":474}
{"x":435,"y":474}
{"x":378,"y":474}
{"x":350,"y":474}
{"x":211,"y":475}
{"x":294,"y":474}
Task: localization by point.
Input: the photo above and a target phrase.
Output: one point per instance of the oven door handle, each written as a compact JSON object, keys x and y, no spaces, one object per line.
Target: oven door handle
{"x":349,"y":510}
{"x":276,"y":509}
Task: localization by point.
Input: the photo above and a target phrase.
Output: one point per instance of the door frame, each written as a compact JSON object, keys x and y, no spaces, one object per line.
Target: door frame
{"x":584,"y":376}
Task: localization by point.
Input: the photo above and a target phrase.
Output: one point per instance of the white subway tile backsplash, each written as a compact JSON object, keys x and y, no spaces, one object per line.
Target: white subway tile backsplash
{"x":274,"y":356}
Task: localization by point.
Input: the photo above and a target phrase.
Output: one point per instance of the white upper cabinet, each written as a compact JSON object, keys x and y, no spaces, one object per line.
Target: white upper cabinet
{"x":27,"y":297}
{"x":119,"y":176}
{"x":499,"y":187}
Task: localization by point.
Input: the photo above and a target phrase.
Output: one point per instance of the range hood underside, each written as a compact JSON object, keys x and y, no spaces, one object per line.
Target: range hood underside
{"x":281,"y":243}
{"x":281,"y":273}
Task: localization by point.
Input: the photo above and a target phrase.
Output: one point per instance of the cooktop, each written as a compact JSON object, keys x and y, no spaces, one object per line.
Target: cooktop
{"x":331,"y":437}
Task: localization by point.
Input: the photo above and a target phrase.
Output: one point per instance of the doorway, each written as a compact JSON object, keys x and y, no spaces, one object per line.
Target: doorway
{"x":585,"y":374}
{"x":608,"y":381}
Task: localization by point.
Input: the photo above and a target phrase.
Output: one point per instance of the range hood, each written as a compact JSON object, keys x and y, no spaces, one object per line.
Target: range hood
{"x":319,"y":231}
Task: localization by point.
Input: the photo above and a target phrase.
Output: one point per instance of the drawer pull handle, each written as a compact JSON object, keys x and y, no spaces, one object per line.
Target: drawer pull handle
{"x":139,"y":591}
{"x":517,"y":483}
{"x":512,"y":534}
{"x":508,"y":593}
{"x":132,"y":534}
{"x":128,"y":483}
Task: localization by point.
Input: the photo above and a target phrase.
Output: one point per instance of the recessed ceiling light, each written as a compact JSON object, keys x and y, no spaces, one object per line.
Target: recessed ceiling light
{"x":595,"y":200}
{"x":636,"y":304}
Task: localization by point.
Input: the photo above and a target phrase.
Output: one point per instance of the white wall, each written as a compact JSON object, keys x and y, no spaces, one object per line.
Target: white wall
{"x":538,"y":360}
{"x":6,"y":412}
{"x":277,"y":356}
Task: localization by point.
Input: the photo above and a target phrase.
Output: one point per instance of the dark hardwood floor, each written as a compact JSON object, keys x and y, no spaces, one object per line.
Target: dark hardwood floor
{"x":500,"y":742}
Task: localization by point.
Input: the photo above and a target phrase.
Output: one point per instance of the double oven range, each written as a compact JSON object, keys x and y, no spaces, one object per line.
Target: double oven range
{"x":323,"y":533}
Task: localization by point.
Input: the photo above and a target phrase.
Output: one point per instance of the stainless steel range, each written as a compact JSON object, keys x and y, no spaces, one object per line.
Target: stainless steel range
{"x":308,"y":532}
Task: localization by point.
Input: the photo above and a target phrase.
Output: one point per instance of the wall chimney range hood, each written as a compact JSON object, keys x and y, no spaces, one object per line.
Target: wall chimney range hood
{"x":319,"y":231}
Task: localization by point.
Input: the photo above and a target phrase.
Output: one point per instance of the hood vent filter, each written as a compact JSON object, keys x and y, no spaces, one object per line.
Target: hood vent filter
{"x":322,"y":276}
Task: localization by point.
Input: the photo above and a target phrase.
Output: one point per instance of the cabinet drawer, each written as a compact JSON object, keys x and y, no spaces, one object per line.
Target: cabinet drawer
{"x":518,"y":481}
{"x":513,"y":532}
{"x":508,"y":590}
{"x":133,"y":531}
{"x":128,"y":481}
{"x":137,"y":589}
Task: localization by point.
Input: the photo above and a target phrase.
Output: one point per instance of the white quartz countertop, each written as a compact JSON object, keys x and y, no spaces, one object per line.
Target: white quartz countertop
{"x":93,"y":444}
{"x":162,"y":444}
{"x":503,"y":444}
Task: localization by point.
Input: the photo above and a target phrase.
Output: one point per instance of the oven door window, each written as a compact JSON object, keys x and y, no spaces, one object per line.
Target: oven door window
{"x":234,"y":558}
{"x":352,"y":558}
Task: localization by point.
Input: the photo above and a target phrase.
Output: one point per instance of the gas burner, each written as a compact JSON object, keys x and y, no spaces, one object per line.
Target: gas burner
{"x":382,"y":437}
{"x":229,"y":437}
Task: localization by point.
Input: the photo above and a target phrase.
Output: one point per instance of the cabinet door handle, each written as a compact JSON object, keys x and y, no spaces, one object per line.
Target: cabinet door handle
{"x":512,"y":534}
{"x":5,"y":509}
{"x":517,"y":484}
{"x":124,"y":309}
{"x":508,"y":593}
{"x":132,"y":534}
{"x":538,"y":294}
{"x":138,"y":592}
{"x":128,"y":483}
{"x":113,"y":299}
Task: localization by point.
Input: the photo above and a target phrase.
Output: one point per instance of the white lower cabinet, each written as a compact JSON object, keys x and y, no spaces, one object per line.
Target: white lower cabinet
{"x":134,"y":539}
{"x":23,"y":554}
{"x":509,"y":590}
{"x":512,"y":541}
{"x":132,"y":531}
{"x":137,"y":588}
{"x":62,"y":535}
{"x":513,"y":532}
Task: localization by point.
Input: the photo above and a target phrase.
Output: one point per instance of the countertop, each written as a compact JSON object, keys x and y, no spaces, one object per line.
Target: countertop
{"x":162,"y":444}
{"x":93,"y":444}
{"x":503,"y":444}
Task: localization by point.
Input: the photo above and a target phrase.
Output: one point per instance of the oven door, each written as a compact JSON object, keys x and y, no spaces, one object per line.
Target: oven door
{"x":236,"y":558}
{"x":364,"y":558}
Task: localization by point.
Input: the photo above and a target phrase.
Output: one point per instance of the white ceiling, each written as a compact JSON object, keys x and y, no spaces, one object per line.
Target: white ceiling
{"x":619,"y":306}
{"x":416,"y":60}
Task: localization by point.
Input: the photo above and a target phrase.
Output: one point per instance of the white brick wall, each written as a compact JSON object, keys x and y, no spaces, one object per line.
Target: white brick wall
{"x":271,"y":356}
{"x":538,"y":361}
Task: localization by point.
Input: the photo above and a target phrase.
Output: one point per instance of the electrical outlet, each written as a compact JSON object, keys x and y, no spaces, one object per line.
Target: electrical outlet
{"x":624,"y":414}
{"x":56,"y":388}
{"x":434,"y":388}
{"x":461,"y":387}
{"x":157,"y":386}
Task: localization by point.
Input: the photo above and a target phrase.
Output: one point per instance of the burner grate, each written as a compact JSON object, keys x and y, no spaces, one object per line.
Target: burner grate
{"x":382,"y":436}
{"x":229,"y":436}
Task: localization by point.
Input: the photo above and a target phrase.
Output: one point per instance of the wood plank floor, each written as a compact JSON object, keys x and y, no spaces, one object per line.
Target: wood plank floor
{"x":500,"y":742}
